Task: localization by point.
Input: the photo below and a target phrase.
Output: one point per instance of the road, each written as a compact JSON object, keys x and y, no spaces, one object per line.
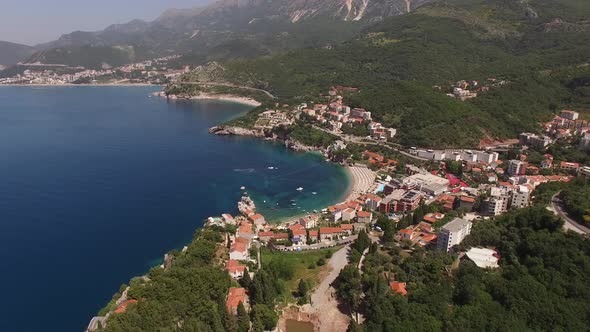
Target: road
{"x":229,"y":85}
{"x":569,"y":223}
{"x":323,"y":300}
{"x":361,"y":140}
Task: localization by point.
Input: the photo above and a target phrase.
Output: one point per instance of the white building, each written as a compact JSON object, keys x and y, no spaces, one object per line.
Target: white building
{"x":570,"y":115}
{"x":520,"y":197}
{"x":453,"y":233}
{"x":483,"y":258}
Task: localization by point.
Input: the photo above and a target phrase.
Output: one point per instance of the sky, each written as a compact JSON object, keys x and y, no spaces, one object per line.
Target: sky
{"x":37,"y":21}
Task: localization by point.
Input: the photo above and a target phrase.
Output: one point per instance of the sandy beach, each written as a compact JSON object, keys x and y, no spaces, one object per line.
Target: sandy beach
{"x":362,"y":179}
{"x":207,"y":96}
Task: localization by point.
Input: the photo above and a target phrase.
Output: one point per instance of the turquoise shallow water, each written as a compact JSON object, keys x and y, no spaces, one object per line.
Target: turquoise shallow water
{"x":97,"y":183}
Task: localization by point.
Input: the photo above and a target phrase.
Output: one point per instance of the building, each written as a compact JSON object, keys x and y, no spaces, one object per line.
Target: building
{"x":258,"y":220}
{"x":373,"y":201}
{"x":483,"y":258}
{"x":245,"y":231}
{"x":299,"y":236}
{"x":409,"y":201}
{"x":466,"y":202}
{"x":430,"y":184}
{"x":570,"y":115}
{"x":585,"y":171}
{"x":235,"y":269}
{"x":569,"y":166}
{"x":497,"y":203}
{"x":235,"y":296}
{"x":309,"y":221}
{"x":516,"y":167}
{"x":399,"y":288}
{"x":331,"y":233}
{"x":364,"y":217}
{"x":238,"y":251}
{"x":433,"y":217}
{"x":520,"y":197}
{"x":228,"y":219}
{"x":348,"y":214}
{"x":453,"y":233}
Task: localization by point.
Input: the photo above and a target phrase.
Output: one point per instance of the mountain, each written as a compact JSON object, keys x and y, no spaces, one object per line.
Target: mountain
{"x":11,"y":53}
{"x":226,"y":29}
{"x":540,"y":47}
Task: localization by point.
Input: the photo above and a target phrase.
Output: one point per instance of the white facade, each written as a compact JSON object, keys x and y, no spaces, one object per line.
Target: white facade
{"x":453,"y":233}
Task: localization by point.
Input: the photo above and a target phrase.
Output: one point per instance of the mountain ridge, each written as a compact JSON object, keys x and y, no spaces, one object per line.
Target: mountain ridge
{"x":11,"y":53}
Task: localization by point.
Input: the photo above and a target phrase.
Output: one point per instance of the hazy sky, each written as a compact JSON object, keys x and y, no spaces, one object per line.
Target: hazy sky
{"x":37,"y":21}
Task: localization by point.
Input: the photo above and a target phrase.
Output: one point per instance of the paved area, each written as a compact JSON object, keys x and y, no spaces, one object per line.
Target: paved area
{"x":323,"y":300}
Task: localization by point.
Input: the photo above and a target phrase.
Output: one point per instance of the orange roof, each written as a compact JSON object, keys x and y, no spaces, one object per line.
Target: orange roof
{"x":233,"y":266}
{"x":313,"y":233}
{"x":399,"y":287}
{"x":296,"y":227}
{"x":346,"y":227}
{"x":406,"y":231}
{"x":123,"y":306}
{"x":330,"y":230}
{"x":364,"y":214}
{"x":299,"y":232}
{"x":256,"y":217}
{"x":245,"y":228}
{"x":240,"y":239}
{"x":239,"y":247}
{"x":429,"y":237}
{"x":235,"y":296}
{"x":467,"y":199}
{"x":265,"y":234}
{"x":373,"y":197}
{"x":279,"y":236}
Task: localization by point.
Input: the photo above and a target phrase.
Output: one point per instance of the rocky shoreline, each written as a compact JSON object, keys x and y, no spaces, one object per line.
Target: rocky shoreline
{"x":224,"y":130}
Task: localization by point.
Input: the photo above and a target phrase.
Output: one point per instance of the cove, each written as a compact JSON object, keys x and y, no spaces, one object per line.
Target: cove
{"x":97,"y":183}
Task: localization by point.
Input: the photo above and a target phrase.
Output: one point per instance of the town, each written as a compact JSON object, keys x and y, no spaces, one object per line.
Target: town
{"x":156,"y":71}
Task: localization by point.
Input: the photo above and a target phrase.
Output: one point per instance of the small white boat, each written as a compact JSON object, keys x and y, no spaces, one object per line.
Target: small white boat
{"x":242,"y":188}
{"x":300,"y":189}
{"x":314,"y":193}
{"x":293,"y":204}
{"x":270,"y":167}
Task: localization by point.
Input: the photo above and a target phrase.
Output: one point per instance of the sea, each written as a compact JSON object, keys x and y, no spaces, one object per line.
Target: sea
{"x":98,"y":183}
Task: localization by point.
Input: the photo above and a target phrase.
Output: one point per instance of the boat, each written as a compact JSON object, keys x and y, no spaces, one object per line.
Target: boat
{"x":242,"y":188}
{"x":314,"y":193}
{"x":270,"y":167}
{"x":293,"y":204}
{"x":300,"y":189}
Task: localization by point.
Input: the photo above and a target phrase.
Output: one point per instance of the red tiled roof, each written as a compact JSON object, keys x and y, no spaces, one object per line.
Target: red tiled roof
{"x":239,"y":247}
{"x":313,"y":233}
{"x":233,"y":266}
{"x":429,"y":237}
{"x":467,"y":199}
{"x":235,"y":296}
{"x":256,"y":217}
{"x":265,"y":234}
{"x":346,"y":227}
{"x":299,"y":232}
{"x":123,"y":306}
{"x":245,"y":228}
{"x":364,"y":214}
{"x":280,"y":236}
{"x":330,"y":230}
{"x":399,"y":287}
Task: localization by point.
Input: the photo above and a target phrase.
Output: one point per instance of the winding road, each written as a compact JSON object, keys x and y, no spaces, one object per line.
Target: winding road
{"x":569,"y":223}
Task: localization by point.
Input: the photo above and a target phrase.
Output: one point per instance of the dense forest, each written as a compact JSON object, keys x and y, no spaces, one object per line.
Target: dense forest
{"x":396,"y":64}
{"x":542,"y":285}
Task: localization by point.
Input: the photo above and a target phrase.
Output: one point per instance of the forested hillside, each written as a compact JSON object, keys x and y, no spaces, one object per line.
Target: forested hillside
{"x":540,"y":48}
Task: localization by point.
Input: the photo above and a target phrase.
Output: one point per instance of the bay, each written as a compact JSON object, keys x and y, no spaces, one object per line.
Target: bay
{"x":97,"y":183}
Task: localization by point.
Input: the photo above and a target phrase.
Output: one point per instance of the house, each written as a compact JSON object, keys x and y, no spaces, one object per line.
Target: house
{"x":309,"y":221}
{"x":314,"y":235}
{"x":280,"y":236}
{"x":372,"y":201}
{"x":453,"y":233}
{"x":347,"y":229}
{"x":299,"y":236}
{"x":433,"y":217}
{"x":447,"y":201}
{"x":235,"y":269}
{"x":257,"y":219}
{"x":409,"y":201}
{"x":427,"y":239}
{"x":238,"y":251}
{"x":123,"y":306}
{"x":570,"y":115}
{"x":399,"y":288}
{"x":336,"y":211}
{"x":348,"y":214}
{"x":569,"y":166}
{"x":245,"y":230}
{"x":228,"y":219}
{"x":364,"y":217}
{"x":466,"y":202}
{"x":483,"y":258}
{"x":407,"y":233}
{"x":265,"y":236}
{"x":235,"y":296}
{"x":330,"y":233}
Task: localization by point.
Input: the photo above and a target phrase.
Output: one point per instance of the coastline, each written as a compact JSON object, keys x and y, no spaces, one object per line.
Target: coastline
{"x":210,"y":96}
{"x":85,"y":85}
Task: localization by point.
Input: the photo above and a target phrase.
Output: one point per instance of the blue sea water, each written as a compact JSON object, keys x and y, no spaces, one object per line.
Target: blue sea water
{"x":97,"y":183}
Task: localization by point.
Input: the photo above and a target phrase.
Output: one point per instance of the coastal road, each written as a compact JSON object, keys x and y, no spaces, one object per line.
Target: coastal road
{"x":361,"y":140}
{"x":569,"y":223}
{"x":229,"y":85}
